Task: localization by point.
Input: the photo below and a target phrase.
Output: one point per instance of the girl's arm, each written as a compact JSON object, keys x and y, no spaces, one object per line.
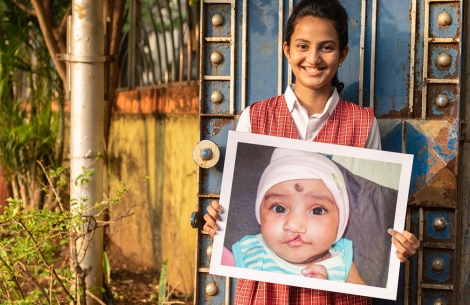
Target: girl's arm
{"x":354,"y":277}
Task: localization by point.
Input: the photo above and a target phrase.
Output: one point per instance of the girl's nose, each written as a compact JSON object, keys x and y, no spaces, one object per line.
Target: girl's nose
{"x":313,"y":57}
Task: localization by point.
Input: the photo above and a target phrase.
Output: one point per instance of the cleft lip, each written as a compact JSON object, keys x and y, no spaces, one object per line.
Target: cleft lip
{"x":296,"y":240}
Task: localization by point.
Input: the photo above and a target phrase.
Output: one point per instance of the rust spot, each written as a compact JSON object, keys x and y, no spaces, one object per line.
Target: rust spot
{"x":440,"y":191}
{"x":443,"y":139}
{"x":80,"y":10}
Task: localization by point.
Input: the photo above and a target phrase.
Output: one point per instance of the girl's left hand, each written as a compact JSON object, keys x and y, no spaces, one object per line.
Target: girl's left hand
{"x":406,"y":243}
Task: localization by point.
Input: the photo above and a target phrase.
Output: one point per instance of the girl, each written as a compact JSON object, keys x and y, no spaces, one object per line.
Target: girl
{"x":316,"y":44}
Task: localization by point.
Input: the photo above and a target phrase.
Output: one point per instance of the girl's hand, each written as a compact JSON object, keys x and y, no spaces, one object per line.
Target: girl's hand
{"x":211,"y":218}
{"x":406,"y":243}
{"x":315,"y":271}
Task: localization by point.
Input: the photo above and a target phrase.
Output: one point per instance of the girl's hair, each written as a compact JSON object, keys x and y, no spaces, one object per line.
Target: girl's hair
{"x":330,"y":10}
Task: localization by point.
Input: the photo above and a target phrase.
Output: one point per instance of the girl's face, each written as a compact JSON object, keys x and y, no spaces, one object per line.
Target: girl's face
{"x":299,"y":220}
{"x":314,"y":54}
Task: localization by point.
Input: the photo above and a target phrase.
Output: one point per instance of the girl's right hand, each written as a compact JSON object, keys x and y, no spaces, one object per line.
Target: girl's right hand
{"x":211,"y":218}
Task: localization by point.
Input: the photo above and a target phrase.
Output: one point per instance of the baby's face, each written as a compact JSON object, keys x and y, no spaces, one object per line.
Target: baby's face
{"x":299,"y":220}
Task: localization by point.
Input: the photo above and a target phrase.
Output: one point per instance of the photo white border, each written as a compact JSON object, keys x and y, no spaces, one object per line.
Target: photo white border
{"x":406,"y":161}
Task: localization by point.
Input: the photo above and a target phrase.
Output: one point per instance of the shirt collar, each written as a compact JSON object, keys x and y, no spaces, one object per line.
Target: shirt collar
{"x":291,"y":100}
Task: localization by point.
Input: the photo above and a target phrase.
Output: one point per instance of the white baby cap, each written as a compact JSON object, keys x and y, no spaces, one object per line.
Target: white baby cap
{"x":289,"y":164}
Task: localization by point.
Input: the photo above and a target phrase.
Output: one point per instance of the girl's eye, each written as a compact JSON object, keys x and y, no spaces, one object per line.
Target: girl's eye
{"x":278,"y":209}
{"x":302,"y":47}
{"x":327,"y":48}
{"x":318,"y":211}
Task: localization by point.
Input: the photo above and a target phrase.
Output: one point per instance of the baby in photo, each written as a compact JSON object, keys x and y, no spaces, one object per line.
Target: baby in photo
{"x":302,"y":207}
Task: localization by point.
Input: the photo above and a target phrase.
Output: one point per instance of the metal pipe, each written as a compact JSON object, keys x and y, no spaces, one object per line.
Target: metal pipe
{"x":361,"y":52}
{"x":87,"y":129}
{"x":373,"y":49}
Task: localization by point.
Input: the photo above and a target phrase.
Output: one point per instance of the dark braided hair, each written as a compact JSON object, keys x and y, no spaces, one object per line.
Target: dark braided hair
{"x":330,"y":10}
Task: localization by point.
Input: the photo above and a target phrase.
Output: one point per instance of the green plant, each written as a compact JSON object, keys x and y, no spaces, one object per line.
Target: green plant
{"x":30,"y":88}
{"x":162,"y":284}
{"x":39,"y":260}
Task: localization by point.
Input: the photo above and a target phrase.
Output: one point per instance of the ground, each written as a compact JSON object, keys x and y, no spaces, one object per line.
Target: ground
{"x":133,"y":285}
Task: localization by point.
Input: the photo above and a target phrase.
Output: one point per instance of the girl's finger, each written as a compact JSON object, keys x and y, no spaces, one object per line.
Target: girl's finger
{"x":215,"y":204}
{"x":400,"y":256}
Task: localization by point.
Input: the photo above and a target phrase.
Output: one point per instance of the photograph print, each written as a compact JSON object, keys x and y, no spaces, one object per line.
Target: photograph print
{"x":311,"y":214}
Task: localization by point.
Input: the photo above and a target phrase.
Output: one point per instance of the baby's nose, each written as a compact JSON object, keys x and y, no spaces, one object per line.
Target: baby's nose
{"x":295,"y":223}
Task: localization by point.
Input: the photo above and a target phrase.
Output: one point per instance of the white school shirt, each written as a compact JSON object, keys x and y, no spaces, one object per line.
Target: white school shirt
{"x":308,"y":127}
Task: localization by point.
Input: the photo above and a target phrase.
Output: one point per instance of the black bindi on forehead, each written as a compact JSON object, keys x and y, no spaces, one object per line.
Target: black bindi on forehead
{"x":298,"y":188}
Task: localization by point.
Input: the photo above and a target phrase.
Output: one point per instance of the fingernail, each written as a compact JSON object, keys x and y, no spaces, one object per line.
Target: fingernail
{"x":303,"y":271}
{"x":220,"y":210}
{"x":396,"y":251}
{"x":390,"y":231}
{"x":393,"y":238}
{"x":219,"y":218}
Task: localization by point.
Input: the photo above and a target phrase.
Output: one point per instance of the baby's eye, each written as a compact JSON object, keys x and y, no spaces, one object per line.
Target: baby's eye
{"x":278,"y":209}
{"x":318,"y":211}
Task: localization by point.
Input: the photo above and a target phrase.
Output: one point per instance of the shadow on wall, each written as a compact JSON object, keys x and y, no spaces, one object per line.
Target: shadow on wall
{"x":151,"y":141}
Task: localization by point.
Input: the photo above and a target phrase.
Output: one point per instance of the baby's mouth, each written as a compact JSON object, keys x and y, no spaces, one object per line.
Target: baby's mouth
{"x":296,"y":241}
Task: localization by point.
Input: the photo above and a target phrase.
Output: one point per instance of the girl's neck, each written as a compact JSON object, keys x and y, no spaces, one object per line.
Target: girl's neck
{"x":314,"y":101}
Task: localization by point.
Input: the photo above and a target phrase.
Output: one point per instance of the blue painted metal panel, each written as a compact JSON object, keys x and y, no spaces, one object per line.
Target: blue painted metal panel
{"x":206,"y":279}
{"x":219,"y":31}
{"x":430,"y":231}
{"x":392,"y":57}
{"x":391,"y":134}
{"x":208,"y":107}
{"x":430,"y":296}
{"x":417,"y":145}
{"x":262,"y":55}
{"x":204,"y":242}
{"x":450,"y":110}
{"x":222,"y":69}
{"x":453,"y":29}
{"x":414,"y":261}
{"x":433,"y":277}
{"x":349,"y":71}
{"x":436,"y":71}
{"x":434,"y":145}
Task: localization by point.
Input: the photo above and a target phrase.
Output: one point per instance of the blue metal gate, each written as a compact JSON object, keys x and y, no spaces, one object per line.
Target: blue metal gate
{"x":406,"y":62}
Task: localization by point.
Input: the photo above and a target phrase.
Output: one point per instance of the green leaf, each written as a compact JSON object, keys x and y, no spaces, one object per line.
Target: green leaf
{"x":162,"y":284}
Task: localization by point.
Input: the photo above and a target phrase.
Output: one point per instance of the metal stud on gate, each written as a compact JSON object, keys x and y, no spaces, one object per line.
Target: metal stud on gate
{"x":217,"y":97}
{"x":217,"y":20}
{"x":439,"y":223}
{"x":444,"y":19}
{"x":217,"y":58}
{"x":209,"y":251}
{"x":438,"y":264}
{"x":443,"y":60}
{"x":206,"y":154}
{"x":211,"y":289}
{"x":442,"y":100}
{"x":439,"y":302}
